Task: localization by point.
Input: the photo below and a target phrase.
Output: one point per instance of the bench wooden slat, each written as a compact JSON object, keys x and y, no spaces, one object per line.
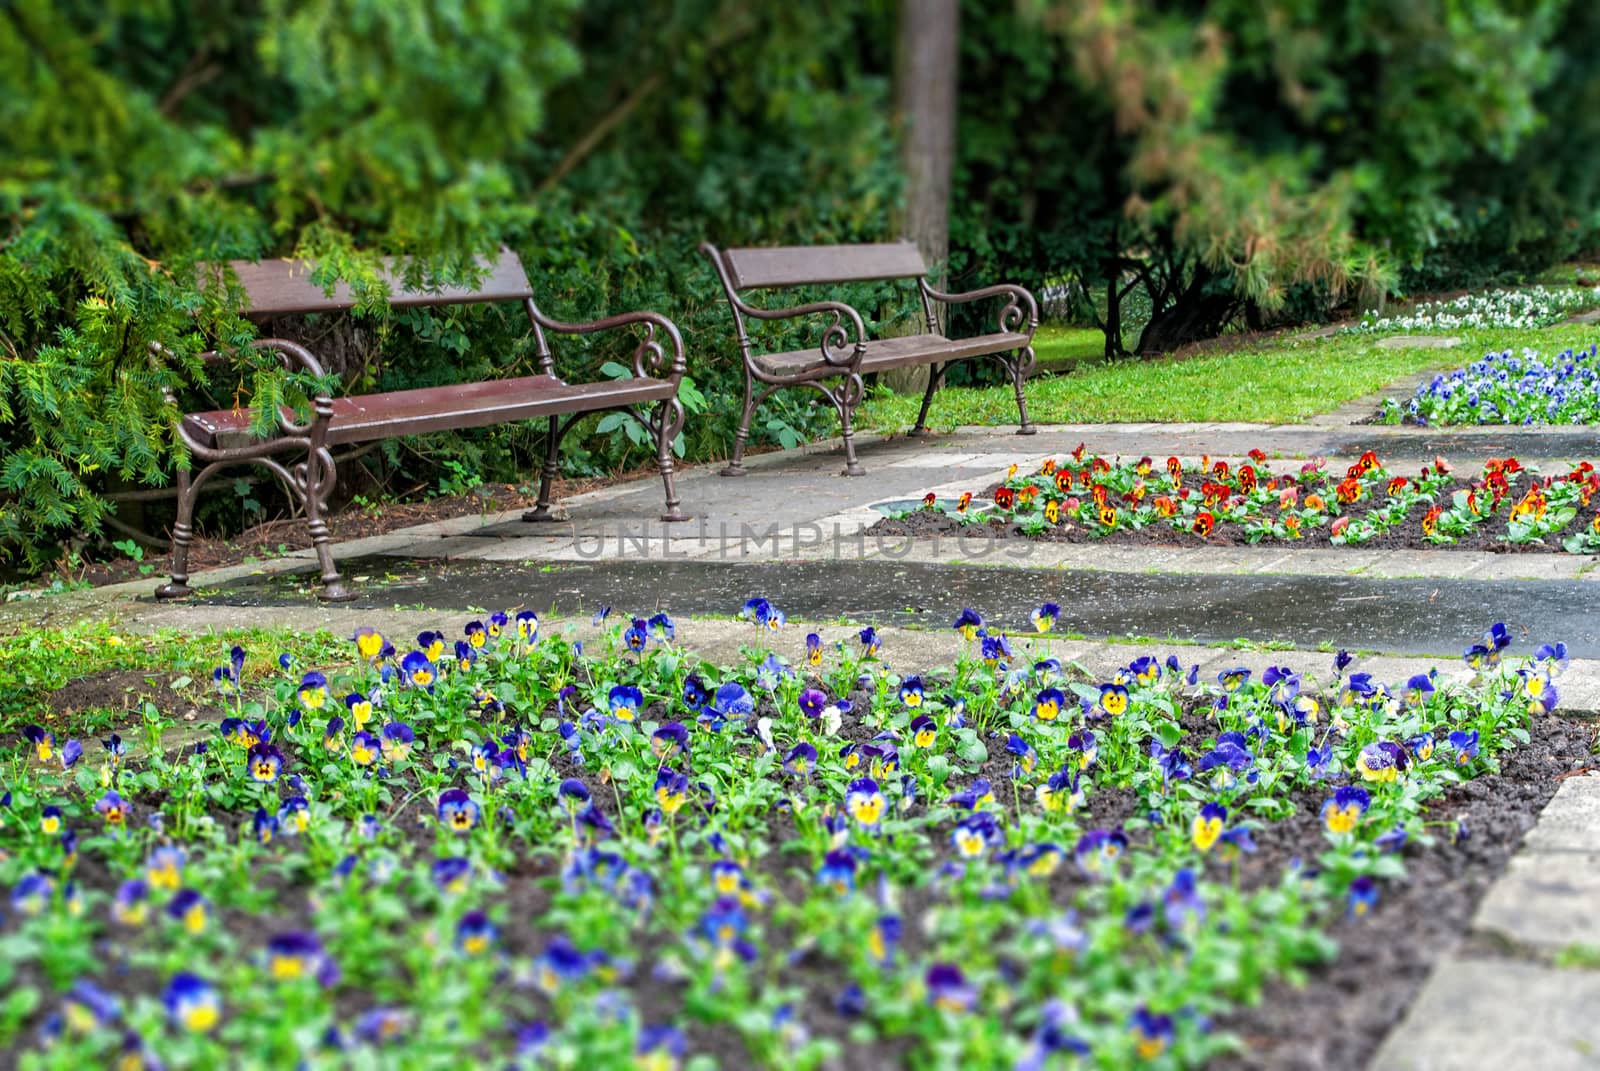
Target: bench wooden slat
{"x":887,"y":353}
{"x":361,"y":418}
{"x":781,"y":266}
{"x":284,"y":287}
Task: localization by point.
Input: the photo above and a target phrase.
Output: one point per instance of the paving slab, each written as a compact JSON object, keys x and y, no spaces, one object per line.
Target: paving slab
{"x":1419,"y":342}
{"x":1570,"y":821}
{"x":1498,"y":1015}
{"x":1545,"y":900}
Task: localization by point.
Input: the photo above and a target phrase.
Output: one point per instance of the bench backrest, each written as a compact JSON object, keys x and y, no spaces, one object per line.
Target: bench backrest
{"x":802,"y":265}
{"x":284,"y":287}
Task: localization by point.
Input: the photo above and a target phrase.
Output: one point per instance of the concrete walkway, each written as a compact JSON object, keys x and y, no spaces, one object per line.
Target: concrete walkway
{"x":1527,"y":996}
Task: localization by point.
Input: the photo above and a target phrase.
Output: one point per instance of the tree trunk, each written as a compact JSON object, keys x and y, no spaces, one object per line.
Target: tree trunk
{"x":1197,"y":313}
{"x":925,"y":97}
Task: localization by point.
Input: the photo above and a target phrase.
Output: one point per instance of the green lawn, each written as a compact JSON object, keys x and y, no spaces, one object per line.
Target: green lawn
{"x":1277,"y":382}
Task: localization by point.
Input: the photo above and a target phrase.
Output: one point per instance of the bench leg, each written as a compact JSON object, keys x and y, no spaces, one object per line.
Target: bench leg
{"x":547,"y":474}
{"x":669,"y":421}
{"x":317,"y":484}
{"x":735,"y":465}
{"x":182,"y":535}
{"x":934,"y":373}
{"x":1019,"y":376}
{"x":846,"y":400}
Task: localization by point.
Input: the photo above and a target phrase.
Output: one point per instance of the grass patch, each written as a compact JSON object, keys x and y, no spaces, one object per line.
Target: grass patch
{"x":1063,"y":349}
{"x":36,"y":663}
{"x":1280,"y":381}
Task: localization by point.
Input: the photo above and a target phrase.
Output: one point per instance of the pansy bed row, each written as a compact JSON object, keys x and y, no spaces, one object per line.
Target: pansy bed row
{"x":1087,"y":497}
{"x":511,"y":850}
{"x":1528,"y":307}
{"x":1504,"y":388}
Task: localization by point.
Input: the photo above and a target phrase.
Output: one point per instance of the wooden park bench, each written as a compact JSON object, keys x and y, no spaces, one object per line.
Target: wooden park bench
{"x":281,"y":287}
{"x":846,"y":354}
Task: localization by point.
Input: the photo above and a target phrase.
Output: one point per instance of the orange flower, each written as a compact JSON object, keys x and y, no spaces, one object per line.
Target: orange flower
{"x":1315,"y":502}
{"x":1291,"y":524}
{"x":1204,"y":522}
{"x":1027,"y":493}
{"x":1165,"y":506}
{"x":1430,"y":520}
{"x":1396,"y":485}
{"x":1368,"y":462}
{"x":1099,"y":493}
{"x":1441,"y":466}
{"x":1349,"y":490}
{"x":1048,"y":468}
{"x":964,"y":501}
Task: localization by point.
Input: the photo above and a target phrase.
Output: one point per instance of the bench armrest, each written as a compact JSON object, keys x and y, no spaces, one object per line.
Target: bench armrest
{"x":650,"y":359}
{"x":838,"y":349}
{"x":1020,"y":313}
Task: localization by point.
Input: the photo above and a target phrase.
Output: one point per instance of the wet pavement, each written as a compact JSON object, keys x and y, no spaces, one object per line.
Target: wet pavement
{"x":1401,"y":616}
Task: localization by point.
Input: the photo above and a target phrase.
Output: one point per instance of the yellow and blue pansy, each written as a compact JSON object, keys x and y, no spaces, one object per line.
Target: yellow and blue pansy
{"x":1381,"y":760}
{"x":1047,"y":705}
{"x":1113,"y":699}
{"x":193,"y":1004}
{"x":1343,"y":811}
{"x":968,"y":624}
{"x":419,"y":668}
{"x":432,"y":645}
{"x":457,"y":811}
{"x":1207,"y":826}
{"x":864,"y":802}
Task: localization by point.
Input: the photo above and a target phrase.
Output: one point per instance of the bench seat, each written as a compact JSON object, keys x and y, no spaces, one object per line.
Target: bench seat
{"x":881,"y":355}
{"x":364,"y":417}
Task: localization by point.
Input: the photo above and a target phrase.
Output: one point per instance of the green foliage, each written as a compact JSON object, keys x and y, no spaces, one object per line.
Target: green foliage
{"x":141,"y":142}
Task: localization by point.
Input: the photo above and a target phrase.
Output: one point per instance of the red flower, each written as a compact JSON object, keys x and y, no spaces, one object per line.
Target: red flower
{"x":1005,"y":497}
{"x":1204,"y":522}
{"x":1430,"y":520}
{"x":929,"y":499}
{"x":1349,"y":490}
{"x":1397,"y":485}
{"x":1258,"y":455}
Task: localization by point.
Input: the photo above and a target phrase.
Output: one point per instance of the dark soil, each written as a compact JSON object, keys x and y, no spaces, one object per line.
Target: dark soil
{"x":1337,"y":1019}
{"x":1404,"y":536}
{"x":111,"y":689}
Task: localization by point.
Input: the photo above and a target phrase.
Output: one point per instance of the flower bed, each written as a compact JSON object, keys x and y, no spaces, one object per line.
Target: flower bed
{"x":510,"y":849}
{"x":1504,"y":506}
{"x":1530,"y":307}
{"x":1507,"y":389}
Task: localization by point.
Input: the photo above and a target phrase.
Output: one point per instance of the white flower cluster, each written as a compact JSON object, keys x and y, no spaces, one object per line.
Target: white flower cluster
{"x":1533,"y":307}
